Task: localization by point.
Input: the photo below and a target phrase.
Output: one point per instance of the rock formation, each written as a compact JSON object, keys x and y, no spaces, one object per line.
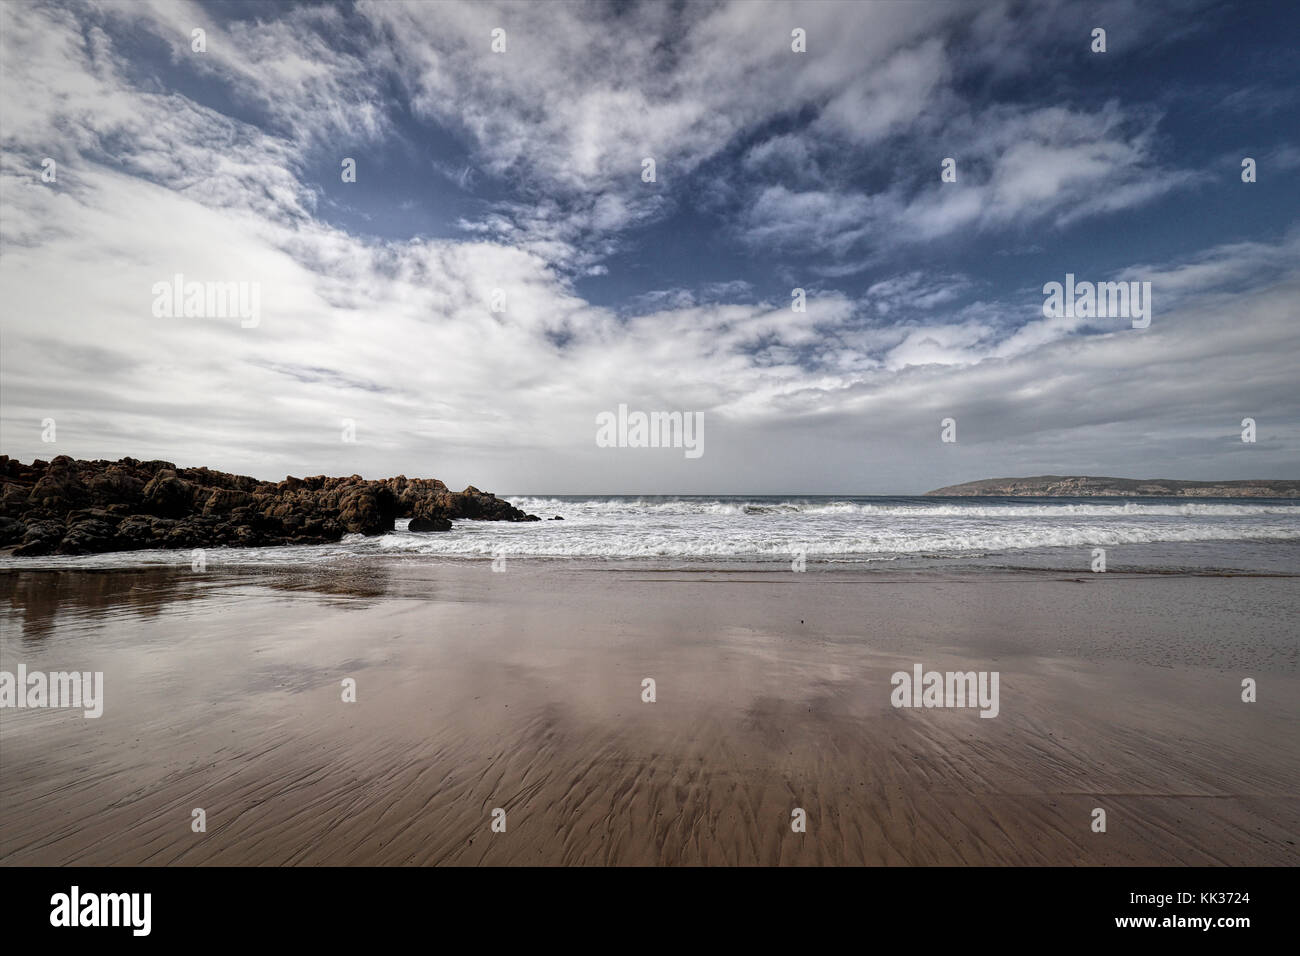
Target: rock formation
{"x":67,"y":506}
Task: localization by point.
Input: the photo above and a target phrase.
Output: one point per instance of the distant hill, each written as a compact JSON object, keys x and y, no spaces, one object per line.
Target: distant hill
{"x":1085,"y":486}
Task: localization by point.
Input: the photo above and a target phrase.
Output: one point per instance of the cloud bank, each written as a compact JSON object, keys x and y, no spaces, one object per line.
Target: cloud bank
{"x":555,"y":283}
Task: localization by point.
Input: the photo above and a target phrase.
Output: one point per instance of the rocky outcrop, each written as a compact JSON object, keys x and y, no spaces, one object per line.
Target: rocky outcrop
{"x":429,"y":524}
{"x":67,"y":506}
{"x":1083,"y":486}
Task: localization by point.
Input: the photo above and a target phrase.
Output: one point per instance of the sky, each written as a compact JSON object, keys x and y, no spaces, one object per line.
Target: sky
{"x":503,"y":270}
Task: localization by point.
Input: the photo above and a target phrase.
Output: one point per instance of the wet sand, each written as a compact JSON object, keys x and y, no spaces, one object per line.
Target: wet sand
{"x":522,"y":691}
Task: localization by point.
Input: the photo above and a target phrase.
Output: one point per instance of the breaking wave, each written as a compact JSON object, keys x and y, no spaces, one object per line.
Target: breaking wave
{"x":836,"y":531}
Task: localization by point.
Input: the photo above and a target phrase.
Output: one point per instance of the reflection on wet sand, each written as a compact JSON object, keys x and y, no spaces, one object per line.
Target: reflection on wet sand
{"x":37,"y":602}
{"x":522,"y":691}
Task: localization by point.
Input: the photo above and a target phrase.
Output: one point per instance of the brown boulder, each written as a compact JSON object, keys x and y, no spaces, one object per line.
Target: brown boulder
{"x":223,"y":500}
{"x":168,"y":496}
{"x":436,"y":523}
{"x":368,"y":510}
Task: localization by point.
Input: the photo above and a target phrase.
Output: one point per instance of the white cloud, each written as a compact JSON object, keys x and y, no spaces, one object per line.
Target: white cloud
{"x":400,"y":335}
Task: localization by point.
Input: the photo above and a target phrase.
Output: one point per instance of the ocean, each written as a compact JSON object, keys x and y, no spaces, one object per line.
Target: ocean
{"x":823,"y":532}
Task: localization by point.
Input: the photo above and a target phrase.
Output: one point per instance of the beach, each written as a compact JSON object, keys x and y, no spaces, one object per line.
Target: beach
{"x":522,"y":691}
{"x":631,"y":435}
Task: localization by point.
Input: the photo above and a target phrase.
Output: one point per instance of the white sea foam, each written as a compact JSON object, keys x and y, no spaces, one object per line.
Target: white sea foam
{"x":701,"y":542}
{"x":544,"y":506}
{"x":830,"y":530}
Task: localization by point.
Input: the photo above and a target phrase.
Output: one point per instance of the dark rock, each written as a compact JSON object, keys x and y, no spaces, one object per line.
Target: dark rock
{"x":41,"y":537}
{"x":223,"y":500}
{"x":168,"y":496}
{"x":68,"y":506}
{"x":88,"y":536}
{"x":135,"y":532}
{"x":59,"y":489}
{"x":11,"y":530}
{"x":118,"y":485}
{"x":97,"y":514}
{"x":435,"y":523}
{"x":368,"y":510}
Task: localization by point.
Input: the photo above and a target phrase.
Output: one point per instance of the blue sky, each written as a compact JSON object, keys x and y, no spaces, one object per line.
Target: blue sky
{"x":520,"y":171}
